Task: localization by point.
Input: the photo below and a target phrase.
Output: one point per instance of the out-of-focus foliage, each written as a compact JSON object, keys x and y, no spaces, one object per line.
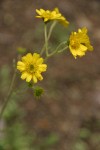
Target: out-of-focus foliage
{"x":13,"y":134}
{"x":87,"y":136}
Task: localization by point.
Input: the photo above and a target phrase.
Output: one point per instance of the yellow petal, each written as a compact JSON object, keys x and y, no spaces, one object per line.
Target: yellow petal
{"x":36,"y":56}
{"x":42,"y":67}
{"x":24,"y":75}
{"x":39,"y":76}
{"x":57,"y":10}
{"x":90,"y":47}
{"x":84,"y":30}
{"x":80,"y":53}
{"x":73,"y":51}
{"x":46,"y":19}
{"x":34,"y":79}
{"x":82,"y":48}
{"x":39,"y":61}
{"x":20,"y":68}
{"x":38,"y":11}
{"x":42,"y":10}
{"x":27,"y":58}
{"x":20,"y":63}
{"x":29,"y":77}
{"x":79,"y":30}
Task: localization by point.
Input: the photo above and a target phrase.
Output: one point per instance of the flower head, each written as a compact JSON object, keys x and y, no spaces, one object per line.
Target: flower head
{"x":31,"y":67}
{"x":79,"y":42}
{"x":48,"y":15}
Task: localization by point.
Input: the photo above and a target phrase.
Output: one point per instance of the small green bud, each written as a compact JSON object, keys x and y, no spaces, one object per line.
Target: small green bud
{"x":30,"y":84}
{"x":38,"y":91}
{"x":21,"y":50}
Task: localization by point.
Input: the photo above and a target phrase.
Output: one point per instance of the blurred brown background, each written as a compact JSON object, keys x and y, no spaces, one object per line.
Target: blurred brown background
{"x":72,"y":98}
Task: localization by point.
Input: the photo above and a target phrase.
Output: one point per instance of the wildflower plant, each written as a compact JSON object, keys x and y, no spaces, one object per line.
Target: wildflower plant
{"x":33,"y":65}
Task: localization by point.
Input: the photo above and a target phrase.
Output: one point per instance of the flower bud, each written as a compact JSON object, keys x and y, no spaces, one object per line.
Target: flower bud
{"x":21,"y":50}
{"x":38,"y":91}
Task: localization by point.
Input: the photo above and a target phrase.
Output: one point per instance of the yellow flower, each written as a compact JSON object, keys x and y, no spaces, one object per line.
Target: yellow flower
{"x":48,"y":15}
{"x":31,"y":67}
{"x":79,"y":43}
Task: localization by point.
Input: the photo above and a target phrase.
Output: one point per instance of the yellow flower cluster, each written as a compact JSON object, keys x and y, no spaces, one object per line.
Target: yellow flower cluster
{"x":79,"y":42}
{"x":48,"y":15}
{"x":31,"y":67}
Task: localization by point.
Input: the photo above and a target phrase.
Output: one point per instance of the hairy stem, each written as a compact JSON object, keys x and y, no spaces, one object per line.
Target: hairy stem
{"x":51,"y":29}
{"x":46,"y":39}
{"x":7,"y":98}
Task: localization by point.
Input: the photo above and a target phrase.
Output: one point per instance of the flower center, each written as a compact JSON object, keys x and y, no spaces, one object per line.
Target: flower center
{"x":30,"y":68}
{"x":75,"y":44}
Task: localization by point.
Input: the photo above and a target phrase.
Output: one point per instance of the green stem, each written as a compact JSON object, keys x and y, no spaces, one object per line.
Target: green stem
{"x":42,"y":50}
{"x":9,"y":94}
{"x":51,"y":29}
{"x":56,"y":51}
{"x":64,"y":42}
{"x":46,"y":39}
{"x":60,"y":51}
